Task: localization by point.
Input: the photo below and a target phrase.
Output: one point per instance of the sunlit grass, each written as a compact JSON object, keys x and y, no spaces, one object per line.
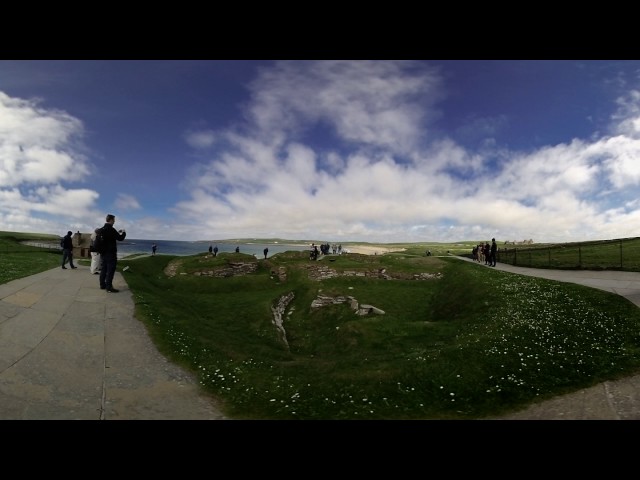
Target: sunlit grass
{"x":463,"y":341}
{"x":18,"y":261}
{"x":504,"y":342}
{"x":619,"y":254}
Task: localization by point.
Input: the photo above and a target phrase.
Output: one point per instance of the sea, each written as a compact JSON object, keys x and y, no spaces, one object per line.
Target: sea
{"x":171,"y":247}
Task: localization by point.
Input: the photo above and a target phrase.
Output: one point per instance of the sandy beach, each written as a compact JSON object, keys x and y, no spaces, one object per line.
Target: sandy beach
{"x":369,"y":249}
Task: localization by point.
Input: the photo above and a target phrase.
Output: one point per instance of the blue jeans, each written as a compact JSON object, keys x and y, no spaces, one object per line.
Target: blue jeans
{"x":67,"y":254}
{"x":108,"y":269}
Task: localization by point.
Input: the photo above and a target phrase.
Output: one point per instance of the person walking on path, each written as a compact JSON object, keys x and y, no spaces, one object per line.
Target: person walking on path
{"x":67,"y":250}
{"x":95,"y":256}
{"x":494,"y":253}
{"x":110,"y":253}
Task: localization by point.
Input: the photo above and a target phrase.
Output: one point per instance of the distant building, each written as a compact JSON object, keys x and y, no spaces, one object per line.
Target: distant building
{"x":81,"y":243}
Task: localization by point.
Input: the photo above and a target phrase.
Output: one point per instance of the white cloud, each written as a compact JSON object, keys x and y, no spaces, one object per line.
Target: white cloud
{"x":397,"y":181}
{"x":622,"y":160}
{"x":38,"y":146}
{"x":382,"y":170}
{"x":625,"y":119}
{"x":125,"y":201}
{"x":373,"y":103}
{"x":200,"y":139}
{"x":40,"y":151}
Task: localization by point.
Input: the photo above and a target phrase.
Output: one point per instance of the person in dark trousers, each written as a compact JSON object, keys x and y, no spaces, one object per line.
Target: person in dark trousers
{"x":215,"y":251}
{"x":237,"y":249}
{"x":67,"y":250}
{"x":265,"y":251}
{"x":494,"y":253}
{"x":210,"y":249}
{"x":110,"y":254}
{"x":154,"y":247}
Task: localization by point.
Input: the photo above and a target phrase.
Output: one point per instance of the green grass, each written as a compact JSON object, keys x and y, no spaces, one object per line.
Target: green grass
{"x":18,"y":260}
{"x":458,"y":342}
{"x":619,"y":254}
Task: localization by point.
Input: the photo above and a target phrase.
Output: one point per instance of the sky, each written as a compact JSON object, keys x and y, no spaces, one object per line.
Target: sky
{"x":381,"y":151}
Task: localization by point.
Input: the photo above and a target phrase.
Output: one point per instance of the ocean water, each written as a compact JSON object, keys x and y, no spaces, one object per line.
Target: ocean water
{"x":168,"y":247}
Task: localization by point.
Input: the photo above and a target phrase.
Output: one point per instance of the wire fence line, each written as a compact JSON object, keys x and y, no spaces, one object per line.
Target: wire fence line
{"x":616,"y":254}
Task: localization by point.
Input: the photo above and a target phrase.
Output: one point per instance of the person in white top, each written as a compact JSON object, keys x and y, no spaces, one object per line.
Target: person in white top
{"x":95,"y":256}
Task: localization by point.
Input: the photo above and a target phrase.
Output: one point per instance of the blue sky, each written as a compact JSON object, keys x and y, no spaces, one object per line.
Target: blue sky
{"x":365,"y":150}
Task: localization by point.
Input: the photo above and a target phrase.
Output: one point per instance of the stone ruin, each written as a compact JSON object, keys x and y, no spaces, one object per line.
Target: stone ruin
{"x":278,"y":310}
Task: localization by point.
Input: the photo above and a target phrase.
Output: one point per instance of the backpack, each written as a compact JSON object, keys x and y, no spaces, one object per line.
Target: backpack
{"x":97,"y":245}
{"x":62,"y":242}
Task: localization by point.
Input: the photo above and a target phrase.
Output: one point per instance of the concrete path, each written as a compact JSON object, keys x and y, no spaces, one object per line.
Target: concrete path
{"x":615,"y":400}
{"x":70,"y":351}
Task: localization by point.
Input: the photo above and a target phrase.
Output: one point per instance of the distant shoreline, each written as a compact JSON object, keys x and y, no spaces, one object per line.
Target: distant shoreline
{"x":363,"y":249}
{"x":348,"y":247}
{"x":360,"y":248}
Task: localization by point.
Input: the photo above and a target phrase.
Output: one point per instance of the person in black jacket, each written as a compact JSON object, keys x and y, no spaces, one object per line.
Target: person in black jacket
{"x":67,"y":250}
{"x":494,"y":253}
{"x":109,"y":256}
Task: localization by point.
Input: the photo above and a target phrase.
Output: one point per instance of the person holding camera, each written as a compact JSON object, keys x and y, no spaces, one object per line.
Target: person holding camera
{"x":109,"y":256}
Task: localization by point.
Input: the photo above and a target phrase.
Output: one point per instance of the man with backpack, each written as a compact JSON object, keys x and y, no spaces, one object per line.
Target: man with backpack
{"x":67,"y":250}
{"x":109,"y":253}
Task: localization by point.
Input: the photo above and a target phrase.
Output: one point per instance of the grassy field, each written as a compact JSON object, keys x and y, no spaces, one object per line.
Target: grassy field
{"x":618,"y":254}
{"x":18,"y":260}
{"x":456,"y":340}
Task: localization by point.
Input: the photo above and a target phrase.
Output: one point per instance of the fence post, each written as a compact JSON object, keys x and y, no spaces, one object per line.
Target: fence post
{"x":579,"y":257}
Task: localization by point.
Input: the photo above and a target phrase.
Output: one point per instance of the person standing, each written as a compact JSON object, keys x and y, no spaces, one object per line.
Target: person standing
{"x":215,"y":251}
{"x":154,"y":247}
{"x":67,"y":250}
{"x":110,"y":253}
{"x":487,"y":253}
{"x":494,"y":252}
{"x":210,"y":249}
{"x":95,"y":256}
{"x":265,"y":251}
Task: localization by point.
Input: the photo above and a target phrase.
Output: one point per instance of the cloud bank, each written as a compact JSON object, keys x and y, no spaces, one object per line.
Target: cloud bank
{"x":388,"y":175}
{"x":337,"y":151}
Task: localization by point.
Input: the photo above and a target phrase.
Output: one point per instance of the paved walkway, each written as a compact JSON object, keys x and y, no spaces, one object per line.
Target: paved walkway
{"x":615,"y":400}
{"x":70,"y":351}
